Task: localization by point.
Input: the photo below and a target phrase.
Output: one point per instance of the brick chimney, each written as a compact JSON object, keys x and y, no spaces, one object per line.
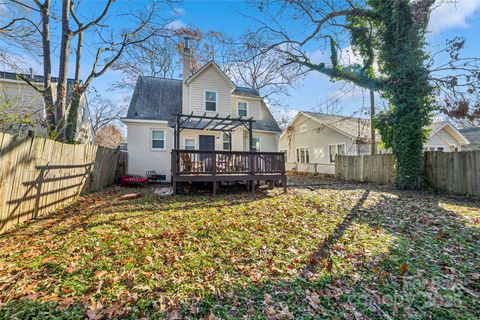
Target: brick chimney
{"x":187,"y":61}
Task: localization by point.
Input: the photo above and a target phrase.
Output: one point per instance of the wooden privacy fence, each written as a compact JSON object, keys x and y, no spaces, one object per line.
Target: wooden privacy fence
{"x":379,"y":168}
{"x":39,"y":175}
{"x":454,"y":172}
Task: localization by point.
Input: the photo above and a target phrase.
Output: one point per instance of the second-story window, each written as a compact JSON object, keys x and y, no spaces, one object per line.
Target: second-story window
{"x":242,"y":109}
{"x":210,"y":101}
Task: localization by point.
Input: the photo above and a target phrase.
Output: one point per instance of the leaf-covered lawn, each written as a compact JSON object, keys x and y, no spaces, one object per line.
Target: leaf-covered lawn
{"x":339,"y":251}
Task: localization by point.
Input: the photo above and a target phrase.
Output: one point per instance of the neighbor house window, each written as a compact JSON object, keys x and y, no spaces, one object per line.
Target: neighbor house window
{"x":210,"y":101}
{"x":303,"y":128}
{"x":334,"y":150}
{"x":440,"y":149}
{"x":242,"y":109}
{"x":303,"y":155}
{"x":158,"y":139}
{"x":189,"y":144}
{"x":226,"y":142}
{"x":256,"y":144}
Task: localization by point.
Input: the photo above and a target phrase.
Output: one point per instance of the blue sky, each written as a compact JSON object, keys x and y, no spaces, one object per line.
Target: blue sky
{"x":462,"y":19}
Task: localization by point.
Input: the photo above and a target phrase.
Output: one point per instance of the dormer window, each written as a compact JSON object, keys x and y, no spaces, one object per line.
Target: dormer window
{"x":242,"y":109}
{"x":211,"y":99}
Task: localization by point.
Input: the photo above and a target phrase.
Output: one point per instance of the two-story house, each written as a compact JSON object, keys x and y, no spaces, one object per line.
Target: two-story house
{"x":19,"y":99}
{"x":203,"y":112}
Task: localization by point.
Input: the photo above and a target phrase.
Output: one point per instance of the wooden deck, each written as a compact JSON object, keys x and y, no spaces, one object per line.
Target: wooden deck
{"x":218,"y":166}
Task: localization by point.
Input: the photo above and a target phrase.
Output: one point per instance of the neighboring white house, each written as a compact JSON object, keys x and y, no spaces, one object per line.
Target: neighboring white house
{"x":19,"y":98}
{"x":157,"y":101}
{"x":313,"y":140}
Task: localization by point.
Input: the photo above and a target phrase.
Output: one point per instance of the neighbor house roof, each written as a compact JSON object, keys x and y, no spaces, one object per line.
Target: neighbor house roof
{"x":473,"y":135}
{"x":352,"y":126}
{"x":32,"y":77}
{"x":360,"y":127}
{"x":161,"y":99}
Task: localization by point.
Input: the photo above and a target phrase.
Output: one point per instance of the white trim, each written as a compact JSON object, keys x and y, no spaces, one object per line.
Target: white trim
{"x":194,"y":142}
{"x":460,"y":137}
{"x":248,"y":107}
{"x":126,"y":120}
{"x":266,"y":131}
{"x":246,"y":97}
{"x":259,"y":143}
{"x":304,"y":153}
{"x":205,"y":100}
{"x":336,"y":150}
{"x":205,"y":67}
{"x":302,"y":130}
{"x":164,"y":139}
{"x":190,"y":99}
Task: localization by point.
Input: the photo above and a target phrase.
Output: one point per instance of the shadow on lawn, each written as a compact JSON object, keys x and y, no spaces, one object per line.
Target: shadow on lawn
{"x":428,"y":272}
{"x":79,"y":214}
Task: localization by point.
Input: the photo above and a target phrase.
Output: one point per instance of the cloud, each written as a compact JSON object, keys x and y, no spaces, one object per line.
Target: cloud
{"x":450,"y":15}
{"x":176,"y":24}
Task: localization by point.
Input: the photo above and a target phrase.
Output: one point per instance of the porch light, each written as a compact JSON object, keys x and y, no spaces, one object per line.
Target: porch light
{"x":218,"y":139}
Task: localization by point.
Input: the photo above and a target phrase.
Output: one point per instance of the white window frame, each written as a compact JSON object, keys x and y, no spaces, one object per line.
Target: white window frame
{"x":189,"y":138}
{"x":205,"y":100}
{"x":336,"y":150}
{"x":259,"y":143}
{"x":298,"y":155}
{"x":303,"y":128}
{"x":164,"y":140}
{"x":238,"y":107}
{"x":225,"y":135}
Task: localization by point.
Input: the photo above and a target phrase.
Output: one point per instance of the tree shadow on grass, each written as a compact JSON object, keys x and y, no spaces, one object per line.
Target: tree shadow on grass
{"x":393,"y":255}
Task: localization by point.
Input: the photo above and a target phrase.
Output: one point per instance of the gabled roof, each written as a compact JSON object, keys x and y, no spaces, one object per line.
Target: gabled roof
{"x":350,"y":126}
{"x":473,"y":135}
{"x":244,"y":91}
{"x":161,"y":99}
{"x":156,"y":99}
{"x":437,"y":126}
{"x":211,"y":64}
{"x":360,"y":127}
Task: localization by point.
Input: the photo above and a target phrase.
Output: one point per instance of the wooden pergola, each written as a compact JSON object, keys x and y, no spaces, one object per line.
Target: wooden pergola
{"x":219,"y":165}
{"x":212,"y":123}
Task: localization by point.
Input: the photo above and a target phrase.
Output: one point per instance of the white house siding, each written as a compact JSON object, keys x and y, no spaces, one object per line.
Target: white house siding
{"x":317,"y":138}
{"x":444,"y":139}
{"x":253,"y":108}
{"x":141,"y":157}
{"x":211,"y":80}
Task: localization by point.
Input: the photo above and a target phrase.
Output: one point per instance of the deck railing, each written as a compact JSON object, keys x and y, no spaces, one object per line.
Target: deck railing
{"x":196,"y":162}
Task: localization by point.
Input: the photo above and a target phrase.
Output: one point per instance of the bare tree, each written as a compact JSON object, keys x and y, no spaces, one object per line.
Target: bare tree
{"x":156,"y":57}
{"x":107,"y":43}
{"x":457,"y":83}
{"x":250,"y":65}
{"x":102,"y":110}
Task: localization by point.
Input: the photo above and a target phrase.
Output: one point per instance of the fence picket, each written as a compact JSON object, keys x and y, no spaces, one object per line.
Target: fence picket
{"x":39,"y":175}
{"x":454,"y":172}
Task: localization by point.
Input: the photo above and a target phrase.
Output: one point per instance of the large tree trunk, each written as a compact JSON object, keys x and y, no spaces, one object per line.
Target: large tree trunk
{"x":63,"y":70}
{"x":47,"y":68}
{"x":72,"y":116}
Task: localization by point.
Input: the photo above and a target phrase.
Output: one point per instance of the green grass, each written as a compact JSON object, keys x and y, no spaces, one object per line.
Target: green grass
{"x":337,"y":251}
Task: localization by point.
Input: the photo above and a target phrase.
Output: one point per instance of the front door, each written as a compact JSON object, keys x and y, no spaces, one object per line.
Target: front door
{"x":206,"y":143}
